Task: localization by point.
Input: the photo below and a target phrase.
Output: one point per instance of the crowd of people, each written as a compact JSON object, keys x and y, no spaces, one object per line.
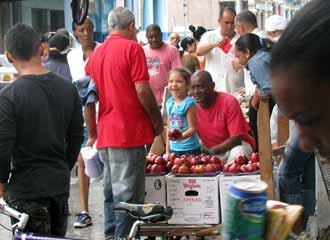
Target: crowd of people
{"x":196,"y":81}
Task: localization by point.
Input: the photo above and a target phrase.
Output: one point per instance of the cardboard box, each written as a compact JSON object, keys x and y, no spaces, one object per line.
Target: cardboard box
{"x":159,"y":144}
{"x":195,"y":200}
{"x":226,"y":181}
{"x":155,"y":190}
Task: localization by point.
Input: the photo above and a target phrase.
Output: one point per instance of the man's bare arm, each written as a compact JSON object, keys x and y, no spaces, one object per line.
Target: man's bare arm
{"x":148,"y":101}
{"x":204,"y":49}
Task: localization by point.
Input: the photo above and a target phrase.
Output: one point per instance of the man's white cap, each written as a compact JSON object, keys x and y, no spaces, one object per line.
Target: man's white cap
{"x":275,"y":23}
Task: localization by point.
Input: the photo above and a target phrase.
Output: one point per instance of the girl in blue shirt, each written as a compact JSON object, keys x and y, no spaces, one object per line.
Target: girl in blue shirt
{"x":182,"y":115}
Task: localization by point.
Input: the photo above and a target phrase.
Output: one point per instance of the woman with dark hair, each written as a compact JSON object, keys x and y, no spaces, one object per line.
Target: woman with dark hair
{"x":197,"y":34}
{"x":252,"y":53}
{"x":188,"y":60}
{"x":300,"y":75}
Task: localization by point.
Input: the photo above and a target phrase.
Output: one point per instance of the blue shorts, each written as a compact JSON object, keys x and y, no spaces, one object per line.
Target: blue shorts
{"x":85,"y":137}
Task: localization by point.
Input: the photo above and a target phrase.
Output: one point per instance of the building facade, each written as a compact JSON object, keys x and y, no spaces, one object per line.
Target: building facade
{"x":170,"y":15}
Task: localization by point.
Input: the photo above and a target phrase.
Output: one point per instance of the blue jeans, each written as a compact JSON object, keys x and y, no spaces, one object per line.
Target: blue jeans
{"x":297,"y":178}
{"x":124,"y":181}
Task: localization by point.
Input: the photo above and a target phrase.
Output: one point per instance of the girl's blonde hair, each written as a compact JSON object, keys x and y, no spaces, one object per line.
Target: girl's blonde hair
{"x":184,"y":72}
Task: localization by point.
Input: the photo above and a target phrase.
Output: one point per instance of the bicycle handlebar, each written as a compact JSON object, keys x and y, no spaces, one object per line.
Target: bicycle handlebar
{"x":146,"y":212}
{"x":21,"y":217}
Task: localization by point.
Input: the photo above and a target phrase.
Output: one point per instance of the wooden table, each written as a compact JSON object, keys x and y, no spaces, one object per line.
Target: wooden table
{"x":163,"y":229}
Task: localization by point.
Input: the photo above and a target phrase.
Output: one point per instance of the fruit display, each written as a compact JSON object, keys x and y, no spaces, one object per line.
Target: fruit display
{"x":184,"y":164}
{"x":243,"y":164}
{"x":199,"y":164}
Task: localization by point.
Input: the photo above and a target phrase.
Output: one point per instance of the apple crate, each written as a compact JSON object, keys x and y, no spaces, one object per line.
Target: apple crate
{"x":225,"y":181}
{"x":155,"y":189}
{"x":194,"y":199}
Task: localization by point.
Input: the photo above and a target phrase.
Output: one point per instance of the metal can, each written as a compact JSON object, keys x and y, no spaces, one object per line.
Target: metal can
{"x":245,"y":210}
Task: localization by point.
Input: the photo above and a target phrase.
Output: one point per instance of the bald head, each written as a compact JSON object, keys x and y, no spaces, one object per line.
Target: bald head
{"x":202,"y":88}
{"x":203,"y":76}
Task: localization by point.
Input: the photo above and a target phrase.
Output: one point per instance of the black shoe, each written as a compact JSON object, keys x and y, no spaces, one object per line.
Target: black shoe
{"x":82,"y":220}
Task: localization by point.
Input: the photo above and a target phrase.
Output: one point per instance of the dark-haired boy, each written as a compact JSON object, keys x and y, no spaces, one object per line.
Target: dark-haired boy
{"x":41,"y":130}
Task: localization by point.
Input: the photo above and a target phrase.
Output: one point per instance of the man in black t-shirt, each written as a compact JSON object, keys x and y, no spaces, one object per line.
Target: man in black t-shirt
{"x":41,"y":130}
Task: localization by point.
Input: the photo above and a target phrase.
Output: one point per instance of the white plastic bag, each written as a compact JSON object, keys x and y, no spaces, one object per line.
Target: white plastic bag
{"x":93,"y":165}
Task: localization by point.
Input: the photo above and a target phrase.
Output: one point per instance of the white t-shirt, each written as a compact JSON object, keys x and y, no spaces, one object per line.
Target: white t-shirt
{"x":76,"y":63}
{"x":219,"y":64}
{"x":274,"y":126}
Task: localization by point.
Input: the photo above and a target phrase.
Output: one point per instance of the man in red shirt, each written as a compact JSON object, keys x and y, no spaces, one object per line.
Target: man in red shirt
{"x":128,"y":117}
{"x":221,"y":124}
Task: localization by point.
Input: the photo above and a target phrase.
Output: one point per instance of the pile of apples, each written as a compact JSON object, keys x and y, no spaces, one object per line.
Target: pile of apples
{"x":243,"y":165}
{"x":184,"y":164}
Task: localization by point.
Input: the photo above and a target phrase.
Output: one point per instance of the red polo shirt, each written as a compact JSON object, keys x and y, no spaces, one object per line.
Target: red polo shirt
{"x":223,"y":119}
{"x":116,"y":66}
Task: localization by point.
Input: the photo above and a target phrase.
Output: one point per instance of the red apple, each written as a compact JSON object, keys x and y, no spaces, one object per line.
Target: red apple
{"x":210,"y":168}
{"x":148,"y":168}
{"x":255,"y":157}
{"x":249,"y":168}
{"x":149,"y":158}
{"x":177,"y":161}
{"x":172,"y":156}
{"x":255,"y":165}
{"x":226,"y":167}
{"x":153,"y":158}
{"x":234,"y":168}
{"x":175,"y":168}
{"x":192,"y":169}
{"x":166,"y":157}
{"x":155,"y":168}
{"x":174,"y":133}
{"x":169,"y":166}
{"x":184,"y":156}
{"x":194,"y":161}
{"x":215,"y":160}
{"x":243,"y":168}
{"x":204,"y":160}
{"x":218,"y":166}
{"x":187,"y":162}
{"x":159,"y":160}
{"x":200,"y":169}
{"x":237,"y":161}
{"x":222,"y":162}
{"x":183,"y":169}
{"x":242,"y":160}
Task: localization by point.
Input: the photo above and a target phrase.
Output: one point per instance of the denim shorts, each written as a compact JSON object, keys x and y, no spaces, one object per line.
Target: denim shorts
{"x":190,"y":152}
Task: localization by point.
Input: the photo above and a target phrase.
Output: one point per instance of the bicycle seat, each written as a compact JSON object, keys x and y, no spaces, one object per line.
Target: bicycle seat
{"x":146,"y":212}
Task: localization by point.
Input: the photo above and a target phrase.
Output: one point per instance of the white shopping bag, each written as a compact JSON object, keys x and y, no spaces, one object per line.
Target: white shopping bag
{"x":93,"y":164}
